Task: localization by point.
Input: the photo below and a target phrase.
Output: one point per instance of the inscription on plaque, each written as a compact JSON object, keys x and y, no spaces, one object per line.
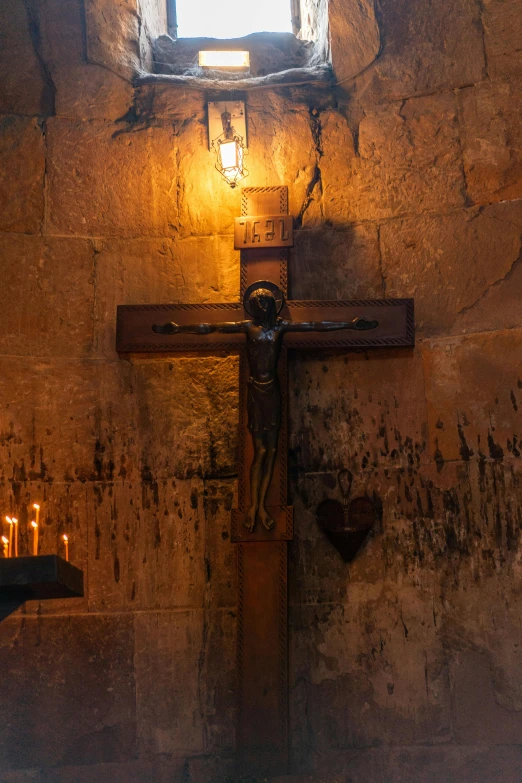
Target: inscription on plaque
{"x":263,"y":231}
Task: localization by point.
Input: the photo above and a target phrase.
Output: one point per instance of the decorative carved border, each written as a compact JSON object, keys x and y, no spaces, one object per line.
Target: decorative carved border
{"x":283,"y":433}
{"x":283,"y":271}
{"x":283,"y":197}
{"x":242,"y":431}
{"x":283,"y":642}
{"x":175,"y":307}
{"x":187,"y":347}
{"x":282,"y":532}
{"x":240,"y":644}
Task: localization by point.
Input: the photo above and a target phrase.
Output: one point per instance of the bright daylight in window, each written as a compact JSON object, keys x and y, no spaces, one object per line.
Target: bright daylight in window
{"x":231,"y":18}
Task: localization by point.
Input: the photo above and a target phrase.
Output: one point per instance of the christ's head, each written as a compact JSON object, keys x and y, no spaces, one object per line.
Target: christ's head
{"x":262,"y":305}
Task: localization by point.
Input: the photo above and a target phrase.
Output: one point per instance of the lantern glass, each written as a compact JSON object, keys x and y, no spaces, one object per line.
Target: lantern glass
{"x":228,"y":152}
{"x":230,"y":162}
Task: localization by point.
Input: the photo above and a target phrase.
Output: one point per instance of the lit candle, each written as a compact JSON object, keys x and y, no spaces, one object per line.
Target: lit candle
{"x":66,"y":544}
{"x":5,"y":544}
{"x":37,"y":509}
{"x":10,"y":522}
{"x":15,"y":523}
{"x":34,"y":525}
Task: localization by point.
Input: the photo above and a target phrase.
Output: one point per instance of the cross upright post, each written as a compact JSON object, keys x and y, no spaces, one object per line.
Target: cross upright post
{"x":262,"y":528}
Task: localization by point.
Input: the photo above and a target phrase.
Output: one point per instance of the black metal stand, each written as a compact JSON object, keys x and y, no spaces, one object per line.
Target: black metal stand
{"x":37,"y":578}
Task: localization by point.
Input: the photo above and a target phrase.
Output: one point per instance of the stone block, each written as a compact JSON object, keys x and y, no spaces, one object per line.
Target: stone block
{"x":407,"y":160}
{"x":360,"y":411}
{"x":219,"y":497}
{"x":26,"y":88}
{"x":424,"y":764}
{"x":188,"y":415}
{"x":461,"y":268}
{"x":22,"y":167}
{"x":502,"y":22}
{"x":155,"y":271}
{"x":153,"y":23}
{"x":210,"y":768}
{"x":354,"y":37}
{"x":107,"y":182}
{"x":113,"y":35}
{"x":60,"y":421}
{"x":330,"y":264}
{"x":159,"y":770}
{"x":492,"y":141}
{"x":426,"y":48}
{"x":168,"y":708}
{"x":89,"y":92}
{"x":219,"y":675}
{"x":47,"y":297}
{"x":473,"y":397}
{"x":479,"y":718}
{"x":68,"y":695}
{"x":164,"y":102}
{"x":147,"y":545}
{"x":365,"y":665}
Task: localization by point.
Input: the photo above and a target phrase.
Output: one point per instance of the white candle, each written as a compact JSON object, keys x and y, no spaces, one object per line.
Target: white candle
{"x":5,"y":544}
{"x":66,"y":544}
{"x":15,"y":523}
{"x":10,"y":522}
{"x":34,"y":525}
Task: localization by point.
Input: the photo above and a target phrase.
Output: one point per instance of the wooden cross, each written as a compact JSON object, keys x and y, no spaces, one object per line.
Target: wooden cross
{"x":262,"y":649}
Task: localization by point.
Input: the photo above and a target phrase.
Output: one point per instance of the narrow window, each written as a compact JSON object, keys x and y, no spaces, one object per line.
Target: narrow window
{"x":231,"y":18}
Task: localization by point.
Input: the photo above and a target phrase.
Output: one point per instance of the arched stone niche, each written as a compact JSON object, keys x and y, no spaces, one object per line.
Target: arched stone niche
{"x":124,"y":35}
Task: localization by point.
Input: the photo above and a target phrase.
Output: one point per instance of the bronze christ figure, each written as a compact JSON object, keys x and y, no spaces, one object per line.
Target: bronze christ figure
{"x":264,"y":334}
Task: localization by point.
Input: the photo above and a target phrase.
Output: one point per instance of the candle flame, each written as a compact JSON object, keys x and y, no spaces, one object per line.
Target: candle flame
{"x":5,"y":540}
{"x":33,"y":524}
{"x":9,"y":520}
{"x":15,"y":521}
{"x":35,"y":505}
{"x":65,"y":538}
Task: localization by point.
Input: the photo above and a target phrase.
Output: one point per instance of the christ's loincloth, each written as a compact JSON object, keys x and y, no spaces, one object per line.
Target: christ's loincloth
{"x":263,"y":406}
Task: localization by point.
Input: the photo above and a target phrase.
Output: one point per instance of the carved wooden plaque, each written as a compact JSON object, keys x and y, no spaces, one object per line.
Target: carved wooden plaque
{"x":263,"y":231}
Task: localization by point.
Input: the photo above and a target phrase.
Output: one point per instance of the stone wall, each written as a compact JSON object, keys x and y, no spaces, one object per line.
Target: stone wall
{"x":407,"y":181}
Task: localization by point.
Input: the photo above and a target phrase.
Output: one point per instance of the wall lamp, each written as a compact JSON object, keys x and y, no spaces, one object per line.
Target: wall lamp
{"x":227,"y":139}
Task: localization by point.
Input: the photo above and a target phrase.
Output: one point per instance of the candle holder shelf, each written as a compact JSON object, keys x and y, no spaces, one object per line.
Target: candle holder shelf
{"x":39,"y":577}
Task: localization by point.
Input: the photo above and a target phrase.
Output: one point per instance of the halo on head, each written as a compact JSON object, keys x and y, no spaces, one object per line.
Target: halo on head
{"x":268,"y":286}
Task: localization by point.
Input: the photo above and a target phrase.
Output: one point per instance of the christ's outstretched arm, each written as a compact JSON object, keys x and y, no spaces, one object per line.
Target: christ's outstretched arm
{"x":228,"y":327}
{"x":359,"y":324}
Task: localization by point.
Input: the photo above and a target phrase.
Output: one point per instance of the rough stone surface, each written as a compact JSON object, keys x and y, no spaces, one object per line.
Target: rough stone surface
{"x":473,"y":394}
{"x":25,"y":89}
{"x":51,"y":326}
{"x":404,"y":158}
{"x":404,"y":181}
{"x":82,"y":711}
{"x":492,"y":141}
{"x":426,"y":47}
{"x":444,"y":261}
{"x":22,"y":162}
{"x":345,"y":264}
{"x":354,"y":37}
{"x":503,"y":31}
{"x":113,"y":35}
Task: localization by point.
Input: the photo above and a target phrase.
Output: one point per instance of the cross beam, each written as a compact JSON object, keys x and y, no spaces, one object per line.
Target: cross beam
{"x":262,"y":656}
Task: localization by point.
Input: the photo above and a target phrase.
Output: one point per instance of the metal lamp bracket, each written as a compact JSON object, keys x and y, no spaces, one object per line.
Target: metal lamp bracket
{"x":238,"y":119}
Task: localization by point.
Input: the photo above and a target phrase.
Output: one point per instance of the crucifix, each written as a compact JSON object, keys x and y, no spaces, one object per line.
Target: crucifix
{"x":262,"y":328}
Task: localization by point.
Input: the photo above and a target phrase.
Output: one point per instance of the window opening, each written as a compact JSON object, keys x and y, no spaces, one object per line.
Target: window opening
{"x":231,"y":18}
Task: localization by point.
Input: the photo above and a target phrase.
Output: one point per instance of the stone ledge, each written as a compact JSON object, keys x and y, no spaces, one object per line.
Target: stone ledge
{"x":318,"y":75}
